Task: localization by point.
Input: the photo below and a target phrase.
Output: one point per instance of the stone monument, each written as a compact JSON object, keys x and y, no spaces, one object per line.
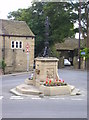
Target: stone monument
{"x":46,"y":66}
{"x":45,"y":79}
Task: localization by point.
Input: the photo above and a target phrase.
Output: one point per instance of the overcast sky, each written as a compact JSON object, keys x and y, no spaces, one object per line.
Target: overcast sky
{"x":7,"y":6}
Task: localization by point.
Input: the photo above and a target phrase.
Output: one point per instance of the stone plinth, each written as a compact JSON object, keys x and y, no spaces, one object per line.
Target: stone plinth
{"x":46,"y":68}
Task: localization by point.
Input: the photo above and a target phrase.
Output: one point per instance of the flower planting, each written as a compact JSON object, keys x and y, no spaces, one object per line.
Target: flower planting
{"x":50,"y":82}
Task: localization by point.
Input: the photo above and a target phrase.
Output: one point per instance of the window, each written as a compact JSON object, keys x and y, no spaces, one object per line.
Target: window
{"x":20,"y":44}
{"x":16,"y":45}
{"x":12,"y":44}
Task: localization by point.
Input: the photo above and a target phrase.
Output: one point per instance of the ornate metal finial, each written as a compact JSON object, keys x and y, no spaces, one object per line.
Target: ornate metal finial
{"x":46,"y":48}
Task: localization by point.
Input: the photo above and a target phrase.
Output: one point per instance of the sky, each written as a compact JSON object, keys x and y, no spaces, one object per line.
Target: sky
{"x":7,"y":6}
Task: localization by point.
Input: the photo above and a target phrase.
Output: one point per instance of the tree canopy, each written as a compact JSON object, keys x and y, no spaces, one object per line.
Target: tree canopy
{"x":62,"y":17}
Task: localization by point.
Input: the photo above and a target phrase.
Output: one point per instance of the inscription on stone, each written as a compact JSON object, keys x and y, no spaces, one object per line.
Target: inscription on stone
{"x":50,"y":73}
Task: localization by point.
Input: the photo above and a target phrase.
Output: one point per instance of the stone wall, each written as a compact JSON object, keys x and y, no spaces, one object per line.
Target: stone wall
{"x":82,"y":63}
{"x":16,"y":59}
{"x":61,"y":62}
{"x":75,"y":62}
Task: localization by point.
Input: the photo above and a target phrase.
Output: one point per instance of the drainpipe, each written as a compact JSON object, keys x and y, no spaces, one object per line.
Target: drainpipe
{"x":79,"y":34}
{"x":88,"y":32}
{"x":3,"y":52}
{"x":88,"y":24}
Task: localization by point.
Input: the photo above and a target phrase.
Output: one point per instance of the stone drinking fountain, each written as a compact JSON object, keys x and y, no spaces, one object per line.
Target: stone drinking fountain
{"x":45,"y":79}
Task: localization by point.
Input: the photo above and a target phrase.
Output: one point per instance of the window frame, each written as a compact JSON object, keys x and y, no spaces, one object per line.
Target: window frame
{"x":11,"y":44}
{"x":19,"y":45}
{"x":15,"y":44}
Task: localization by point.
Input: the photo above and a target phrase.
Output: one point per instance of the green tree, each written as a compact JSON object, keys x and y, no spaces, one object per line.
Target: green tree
{"x":84,"y":17}
{"x":62,"y":17}
{"x":86,"y":51}
{"x":60,"y":20}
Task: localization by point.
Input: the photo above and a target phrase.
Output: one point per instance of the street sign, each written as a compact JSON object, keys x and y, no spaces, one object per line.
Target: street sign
{"x":83,"y":53}
{"x":27,"y":48}
{"x":27,"y":45}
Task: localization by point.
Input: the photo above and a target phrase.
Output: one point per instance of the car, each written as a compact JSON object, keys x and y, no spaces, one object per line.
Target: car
{"x":67,"y":62}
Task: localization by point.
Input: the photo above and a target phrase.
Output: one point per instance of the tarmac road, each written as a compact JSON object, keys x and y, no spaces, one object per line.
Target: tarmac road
{"x":47,"y":107}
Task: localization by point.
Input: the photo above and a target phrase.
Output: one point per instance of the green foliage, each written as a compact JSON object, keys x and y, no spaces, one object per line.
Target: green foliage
{"x":2,"y":65}
{"x":60,"y":21}
{"x":54,"y":51}
{"x":84,"y":17}
{"x":86,"y":50}
{"x":61,"y":16}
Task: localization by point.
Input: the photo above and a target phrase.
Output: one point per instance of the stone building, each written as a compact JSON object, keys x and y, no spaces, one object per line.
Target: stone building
{"x":69,"y":50}
{"x":16,"y":40}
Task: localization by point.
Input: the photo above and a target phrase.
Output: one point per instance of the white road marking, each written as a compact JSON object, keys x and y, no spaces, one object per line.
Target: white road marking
{"x":1,"y":97}
{"x":36,"y":98}
{"x":16,"y":97}
{"x":57,"y":98}
{"x":76,"y":99}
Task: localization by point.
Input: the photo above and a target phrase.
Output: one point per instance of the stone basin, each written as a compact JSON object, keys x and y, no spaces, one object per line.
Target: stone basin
{"x":51,"y":90}
{"x":55,"y":90}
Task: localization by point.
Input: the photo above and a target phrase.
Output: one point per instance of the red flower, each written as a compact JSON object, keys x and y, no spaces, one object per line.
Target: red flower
{"x":59,"y":80}
{"x":46,"y":81}
{"x":55,"y":80}
{"x":49,"y":81}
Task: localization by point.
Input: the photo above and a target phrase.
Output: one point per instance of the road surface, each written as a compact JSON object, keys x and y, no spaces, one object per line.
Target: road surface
{"x":47,"y":107}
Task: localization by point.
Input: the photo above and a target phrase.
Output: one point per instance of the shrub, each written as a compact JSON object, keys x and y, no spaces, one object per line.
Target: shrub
{"x":86,"y":55}
{"x":2,"y":65}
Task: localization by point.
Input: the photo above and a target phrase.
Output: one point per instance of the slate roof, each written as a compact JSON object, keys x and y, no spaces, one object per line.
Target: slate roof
{"x":12,"y":27}
{"x":70,"y":44}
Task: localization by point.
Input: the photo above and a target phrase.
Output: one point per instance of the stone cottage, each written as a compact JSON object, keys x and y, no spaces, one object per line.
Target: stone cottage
{"x":69,"y":50}
{"x":16,"y":43}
